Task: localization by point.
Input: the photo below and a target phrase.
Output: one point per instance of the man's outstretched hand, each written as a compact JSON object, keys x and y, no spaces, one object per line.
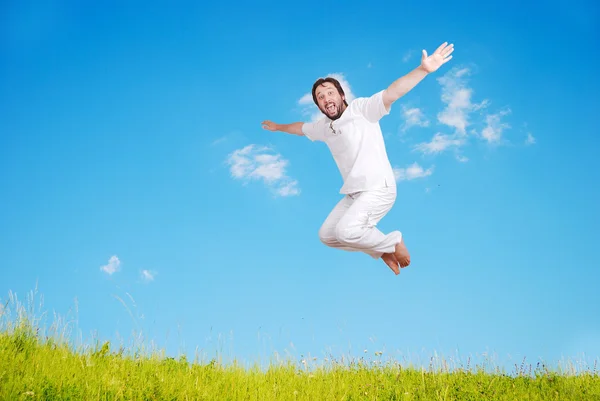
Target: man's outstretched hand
{"x":293,"y":128}
{"x":269,"y":125}
{"x":439,"y":57}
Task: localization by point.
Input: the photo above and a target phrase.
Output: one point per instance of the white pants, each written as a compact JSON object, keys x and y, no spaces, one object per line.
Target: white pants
{"x":351,"y":225}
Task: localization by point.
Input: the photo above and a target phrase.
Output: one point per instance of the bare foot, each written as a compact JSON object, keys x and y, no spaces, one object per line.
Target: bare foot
{"x":391,"y":261}
{"x":402,"y":254}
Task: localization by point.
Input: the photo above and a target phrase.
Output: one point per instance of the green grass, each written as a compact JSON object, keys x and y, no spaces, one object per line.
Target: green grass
{"x":35,"y":365}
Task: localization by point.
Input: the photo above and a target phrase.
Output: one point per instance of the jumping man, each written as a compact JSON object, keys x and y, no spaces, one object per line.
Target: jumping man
{"x":353,"y":135}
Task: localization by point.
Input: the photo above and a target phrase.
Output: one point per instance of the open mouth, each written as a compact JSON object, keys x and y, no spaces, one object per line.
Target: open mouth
{"x":330,"y":108}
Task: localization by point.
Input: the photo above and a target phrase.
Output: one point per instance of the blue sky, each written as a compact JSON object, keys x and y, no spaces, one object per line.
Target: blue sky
{"x":134,"y":185}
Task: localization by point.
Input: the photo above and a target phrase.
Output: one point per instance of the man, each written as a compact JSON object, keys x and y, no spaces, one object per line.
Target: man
{"x":354,"y":137}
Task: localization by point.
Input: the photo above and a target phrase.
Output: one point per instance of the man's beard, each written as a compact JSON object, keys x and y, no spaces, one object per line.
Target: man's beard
{"x":337,"y":114}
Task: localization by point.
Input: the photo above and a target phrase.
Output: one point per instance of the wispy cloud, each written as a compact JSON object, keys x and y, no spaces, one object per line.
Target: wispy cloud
{"x":530,"y":140}
{"x":306,"y":100}
{"x":439,"y":143}
{"x":254,"y":162}
{"x":289,"y":189}
{"x":459,"y":115}
{"x":310,"y":110}
{"x":413,"y":116}
{"x":407,"y":56}
{"x":412,"y":172}
{"x":114,"y":265}
{"x":218,"y":140}
{"x":492,"y":132}
{"x":148,"y":275}
{"x":457,"y":97}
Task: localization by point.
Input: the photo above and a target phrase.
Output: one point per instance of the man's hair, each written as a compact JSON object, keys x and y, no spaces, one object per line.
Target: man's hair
{"x":321,"y":81}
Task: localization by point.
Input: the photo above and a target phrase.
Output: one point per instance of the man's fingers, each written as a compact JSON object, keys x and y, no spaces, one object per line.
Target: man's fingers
{"x":439,"y":49}
{"x":446,"y":56}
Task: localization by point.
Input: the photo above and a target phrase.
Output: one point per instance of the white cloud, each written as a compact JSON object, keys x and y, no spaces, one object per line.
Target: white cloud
{"x":311,"y":110}
{"x":439,"y":143}
{"x":457,"y":96}
{"x":147,"y":275}
{"x":458,"y":73}
{"x":219,"y":140}
{"x":530,"y":139}
{"x":407,"y":56}
{"x":493,"y":129}
{"x":306,"y":99}
{"x":412,"y":172}
{"x":255,"y":162}
{"x":413,"y":117}
{"x":289,"y":189}
{"x":458,"y":113}
{"x":114,"y":265}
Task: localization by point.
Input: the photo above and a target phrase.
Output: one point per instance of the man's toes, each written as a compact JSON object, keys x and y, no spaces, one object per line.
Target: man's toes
{"x":405,"y":262}
{"x":391,"y":262}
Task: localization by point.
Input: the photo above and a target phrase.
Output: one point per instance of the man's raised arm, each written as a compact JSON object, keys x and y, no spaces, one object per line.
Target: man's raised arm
{"x":404,"y":84}
{"x":293,"y":128}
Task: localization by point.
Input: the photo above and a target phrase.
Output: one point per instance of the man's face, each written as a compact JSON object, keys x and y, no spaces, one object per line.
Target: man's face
{"x":330,"y":101}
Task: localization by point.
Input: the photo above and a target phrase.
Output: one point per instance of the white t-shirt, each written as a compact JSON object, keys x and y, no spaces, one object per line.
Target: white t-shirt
{"x":357,"y":144}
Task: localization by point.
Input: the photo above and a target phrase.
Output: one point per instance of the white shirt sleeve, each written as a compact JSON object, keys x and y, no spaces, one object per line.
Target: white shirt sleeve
{"x":314,"y":130}
{"x":372,"y":108}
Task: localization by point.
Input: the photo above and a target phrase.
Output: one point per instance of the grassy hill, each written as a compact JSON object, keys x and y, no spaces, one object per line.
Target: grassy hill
{"x":35,"y":366}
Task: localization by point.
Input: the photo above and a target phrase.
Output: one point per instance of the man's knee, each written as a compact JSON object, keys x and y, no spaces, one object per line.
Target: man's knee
{"x":327,"y":235}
